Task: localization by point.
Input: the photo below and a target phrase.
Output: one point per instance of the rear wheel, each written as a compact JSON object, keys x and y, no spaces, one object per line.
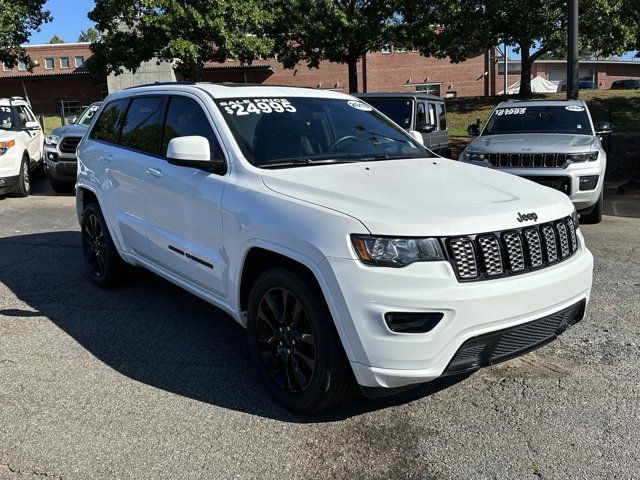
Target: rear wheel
{"x":595,"y":215}
{"x":23,"y":188}
{"x":294,"y":343}
{"x":102,"y":260}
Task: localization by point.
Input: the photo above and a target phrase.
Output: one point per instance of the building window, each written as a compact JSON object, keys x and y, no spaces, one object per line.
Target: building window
{"x":64,"y":62}
{"x":400,"y":50}
{"x":429,"y":88}
{"x":6,"y":67}
{"x":386,"y":49}
{"x":451,"y":94}
{"x":49,"y":63}
{"x":79,"y":62}
{"x":22,"y":66}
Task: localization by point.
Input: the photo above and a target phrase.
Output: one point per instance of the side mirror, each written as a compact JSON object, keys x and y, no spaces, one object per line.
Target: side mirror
{"x":72,"y":120}
{"x":603,"y":128}
{"x":425,"y":128}
{"x":417,"y":136}
{"x":32,"y":125}
{"x":473,"y":129}
{"x":192,"y":151}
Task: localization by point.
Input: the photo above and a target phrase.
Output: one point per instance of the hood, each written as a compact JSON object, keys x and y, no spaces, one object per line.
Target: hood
{"x":7,"y":134}
{"x":535,"y":143}
{"x":421,"y":197}
{"x":66,"y":130}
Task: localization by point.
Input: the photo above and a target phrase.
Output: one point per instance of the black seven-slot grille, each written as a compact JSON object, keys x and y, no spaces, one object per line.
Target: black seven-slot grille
{"x":527,"y":160}
{"x":494,"y":255}
{"x":503,"y":344}
{"x":70,"y":144}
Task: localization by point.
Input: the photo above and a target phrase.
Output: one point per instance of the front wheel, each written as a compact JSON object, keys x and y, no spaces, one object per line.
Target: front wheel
{"x":23,"y":188}
{"x":595,"y":215}
{"x":102,"y":260}
{"x":294,"y":343}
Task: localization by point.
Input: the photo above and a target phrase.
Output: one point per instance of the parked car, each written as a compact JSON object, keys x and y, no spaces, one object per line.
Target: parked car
{"x":20,"y":146}
{"x":418,"y":112}
{"x":631,"y":84}
{"x":552,"y":142}
{"x":582,"y":85}
{"x":351,"y":253}
{"x":60,"y":150}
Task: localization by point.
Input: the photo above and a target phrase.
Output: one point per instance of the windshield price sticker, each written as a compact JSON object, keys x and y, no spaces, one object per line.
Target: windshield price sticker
{"x":511,"y":111}
{"x":574,"y":108}
{"x":256,"y":106}
{"x":359,"y":105}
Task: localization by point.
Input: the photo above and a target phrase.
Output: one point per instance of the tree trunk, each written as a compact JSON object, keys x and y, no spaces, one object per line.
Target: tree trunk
{"x":525,"y":72}
{"x":353,"y":74}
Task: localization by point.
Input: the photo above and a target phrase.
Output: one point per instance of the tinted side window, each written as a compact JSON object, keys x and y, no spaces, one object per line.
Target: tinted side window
{"x":421,"y":114}
{"x":23,"y":116}
{"x":142,"y":126}
{"x":185,"y":118}
{"x":443,"y":117}
{"x":107,"y":128}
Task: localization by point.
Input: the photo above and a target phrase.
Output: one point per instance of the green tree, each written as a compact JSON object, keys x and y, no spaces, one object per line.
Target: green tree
{"x":339,"y":31}
{"x":186,"y":33}
{"x":532,"y":27}
{"x":18,"y":19}
{"x":90,"y":35}
{"x":56,"y":40}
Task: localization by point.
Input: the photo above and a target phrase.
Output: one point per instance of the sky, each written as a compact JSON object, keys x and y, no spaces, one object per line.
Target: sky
{"x":70,"y":17}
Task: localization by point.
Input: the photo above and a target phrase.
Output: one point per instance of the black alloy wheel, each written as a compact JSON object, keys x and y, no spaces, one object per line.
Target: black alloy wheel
{"x":286,"y":340}
{"x":94,"y":245}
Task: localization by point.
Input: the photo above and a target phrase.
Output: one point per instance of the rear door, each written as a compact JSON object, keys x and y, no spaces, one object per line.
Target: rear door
{"x":440,"y":136}
{"x":185,"y":218}
{"x":33,"y":138}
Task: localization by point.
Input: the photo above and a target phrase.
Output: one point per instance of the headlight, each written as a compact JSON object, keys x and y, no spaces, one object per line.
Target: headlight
{"x":575,"y":218}
{"x":583,"y":157}
{"x":51,"y":139}
{"x":396,"y":252}
{"x":474,"y":156}
{"x":4,"y":146}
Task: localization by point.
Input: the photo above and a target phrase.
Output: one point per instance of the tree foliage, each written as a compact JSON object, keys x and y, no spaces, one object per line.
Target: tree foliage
{"x":339,"y":31}
{"x":55,"y":40}
{"x":189,"y":33}
{"x":533,"y":28}
{"x":89,"y":35}
{"x":18,"y":19}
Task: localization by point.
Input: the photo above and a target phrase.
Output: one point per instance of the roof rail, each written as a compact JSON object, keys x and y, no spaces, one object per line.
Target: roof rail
{"x":157,"y":84}
{"x":16,"y":98}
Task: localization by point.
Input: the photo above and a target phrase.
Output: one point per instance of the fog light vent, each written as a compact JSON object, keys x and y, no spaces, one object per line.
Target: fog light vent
{"x":589,"y":182}
{"x":405,"y":322}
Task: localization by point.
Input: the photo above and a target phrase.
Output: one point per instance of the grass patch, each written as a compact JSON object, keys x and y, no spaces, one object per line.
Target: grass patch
{"x":51,"y":122}
{"x":621,"y":106}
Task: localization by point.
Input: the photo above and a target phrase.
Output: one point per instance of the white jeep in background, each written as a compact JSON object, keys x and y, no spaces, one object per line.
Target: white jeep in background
{"x":21,"y":144}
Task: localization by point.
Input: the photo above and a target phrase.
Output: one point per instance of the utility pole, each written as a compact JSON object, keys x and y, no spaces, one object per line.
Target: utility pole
{"x":572,"y":50}
{"x":506,"y":69}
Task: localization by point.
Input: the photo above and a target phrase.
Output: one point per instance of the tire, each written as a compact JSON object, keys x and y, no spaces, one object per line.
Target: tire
{"x":61,"y":187}
{"x":595,"y":215}
{"x":102,"y":261}
{"x":304,"y":368}
{"x":23,"y":187}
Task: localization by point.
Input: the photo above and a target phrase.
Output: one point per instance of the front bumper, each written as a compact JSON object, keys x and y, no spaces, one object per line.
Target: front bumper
{"x":8,"y":184}
{"x":382,"y":358}
{"x":62,"y":167}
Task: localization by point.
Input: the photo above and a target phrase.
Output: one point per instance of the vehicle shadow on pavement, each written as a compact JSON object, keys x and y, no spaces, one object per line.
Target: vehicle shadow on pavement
{"x":152,"y":331}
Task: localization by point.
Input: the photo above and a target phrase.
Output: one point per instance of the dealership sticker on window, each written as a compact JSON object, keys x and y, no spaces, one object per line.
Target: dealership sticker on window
{"x":511,"y":111}
{"x":359,"y":105}
{"x":256,"y":106}
{"x":574,"y":108}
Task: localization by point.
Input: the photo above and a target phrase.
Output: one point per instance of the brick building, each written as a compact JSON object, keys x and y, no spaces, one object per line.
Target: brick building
{"x":60,"y":74}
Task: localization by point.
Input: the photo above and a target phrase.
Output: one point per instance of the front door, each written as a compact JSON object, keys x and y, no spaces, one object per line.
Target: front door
{"x":33,"y":137}
{"x":183,"y":207}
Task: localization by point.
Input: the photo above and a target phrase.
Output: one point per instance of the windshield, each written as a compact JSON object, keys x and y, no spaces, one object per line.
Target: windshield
{"x":397,"y":109}
{"x":6,"y":119}
{"x":294,"y":131}
{"x":571,"y":119}
{"x":87,"y":115}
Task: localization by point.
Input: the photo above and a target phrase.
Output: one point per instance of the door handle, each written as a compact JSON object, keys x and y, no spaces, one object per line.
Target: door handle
{"x":155,"y":172}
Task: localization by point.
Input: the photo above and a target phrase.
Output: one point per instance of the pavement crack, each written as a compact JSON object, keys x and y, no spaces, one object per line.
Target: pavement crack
{"x":32,"y":472}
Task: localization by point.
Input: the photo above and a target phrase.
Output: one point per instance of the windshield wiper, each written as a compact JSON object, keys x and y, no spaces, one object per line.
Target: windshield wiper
{"x":306,"y":162}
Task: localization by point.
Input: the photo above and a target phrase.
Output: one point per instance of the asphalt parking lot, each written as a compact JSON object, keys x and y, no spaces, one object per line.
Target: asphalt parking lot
{"x":148,"y":381}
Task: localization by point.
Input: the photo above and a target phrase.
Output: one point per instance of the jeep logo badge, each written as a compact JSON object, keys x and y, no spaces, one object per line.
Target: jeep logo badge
{"x":525,"y":217}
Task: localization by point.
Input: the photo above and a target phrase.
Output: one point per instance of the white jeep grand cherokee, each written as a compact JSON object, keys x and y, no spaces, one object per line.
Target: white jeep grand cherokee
{"x":330,"y":233}
{"x":21,"y":144}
